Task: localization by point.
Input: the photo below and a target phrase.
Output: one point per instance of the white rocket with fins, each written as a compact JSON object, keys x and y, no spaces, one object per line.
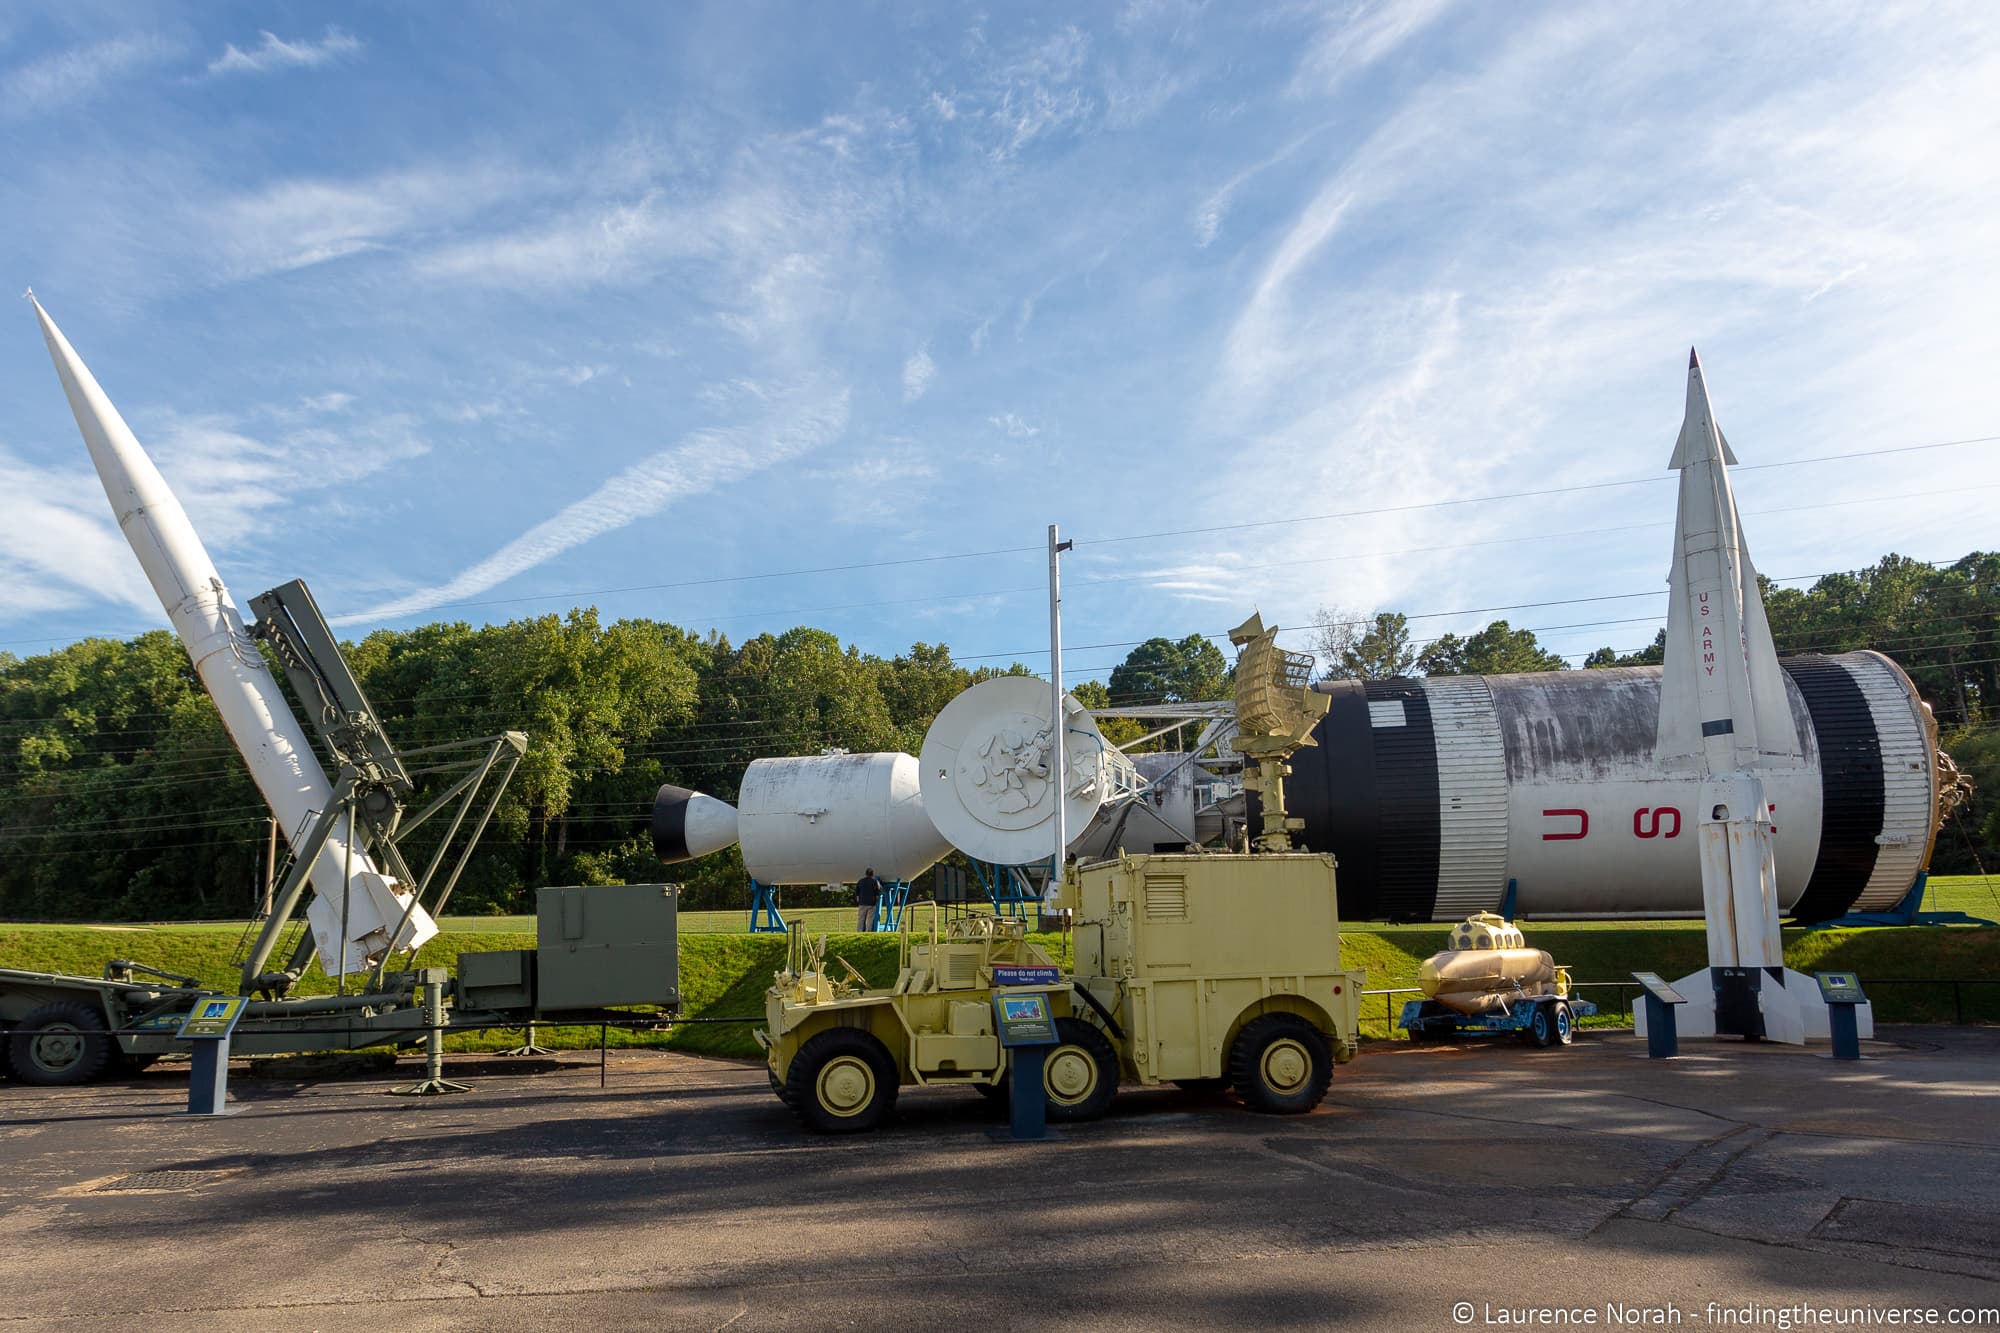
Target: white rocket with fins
{"x":1725,"y":717}
{"x":253,"y":709}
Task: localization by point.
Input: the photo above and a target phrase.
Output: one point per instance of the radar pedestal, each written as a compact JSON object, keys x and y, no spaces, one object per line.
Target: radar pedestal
{"x":1275,"y":716}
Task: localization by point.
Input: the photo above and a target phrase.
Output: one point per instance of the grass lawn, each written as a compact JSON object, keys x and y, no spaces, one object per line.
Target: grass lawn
{"x":724,"y":975}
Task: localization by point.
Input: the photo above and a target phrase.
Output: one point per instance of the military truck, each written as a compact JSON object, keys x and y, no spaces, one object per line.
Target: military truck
{"x":1180,"y":977}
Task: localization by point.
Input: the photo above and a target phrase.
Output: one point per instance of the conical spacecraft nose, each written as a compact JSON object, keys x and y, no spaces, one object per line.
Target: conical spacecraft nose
{"x":688,"y":824}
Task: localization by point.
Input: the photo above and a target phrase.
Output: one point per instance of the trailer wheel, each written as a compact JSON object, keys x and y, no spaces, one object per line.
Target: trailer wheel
{"x":1541,"y":1029}
{"x":842,"y":1081}
{"x":1281,"y":1065}
{"x":1080,"y":1075}
{"x":1565,"y":1024}
{"x":60,"y":1044}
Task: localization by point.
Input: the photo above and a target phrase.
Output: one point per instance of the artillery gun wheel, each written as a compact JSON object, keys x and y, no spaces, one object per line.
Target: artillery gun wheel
{"x":1080,"y":1076}
{"x":60,"y":1044}
{"x":842,"y":1081}
{"x":1281,"y":1065}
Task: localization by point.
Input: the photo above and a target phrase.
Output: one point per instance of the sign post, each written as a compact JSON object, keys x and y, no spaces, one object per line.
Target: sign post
{"x":1662,"y":1037}
{"x":1027,"y":1030}
{"x":208,"y":1027}
{"x":1842,"y":992}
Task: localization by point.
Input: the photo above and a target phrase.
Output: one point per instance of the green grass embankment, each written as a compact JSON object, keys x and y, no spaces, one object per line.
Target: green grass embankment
{"x":725,"y":975}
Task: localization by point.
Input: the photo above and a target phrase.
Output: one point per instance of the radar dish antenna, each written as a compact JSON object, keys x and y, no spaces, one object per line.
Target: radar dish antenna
{"x":1276,"y":711}
{"x":986,"y":771}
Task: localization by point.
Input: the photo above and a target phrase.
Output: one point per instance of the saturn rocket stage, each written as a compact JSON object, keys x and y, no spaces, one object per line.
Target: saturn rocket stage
{"x":354,"y":906}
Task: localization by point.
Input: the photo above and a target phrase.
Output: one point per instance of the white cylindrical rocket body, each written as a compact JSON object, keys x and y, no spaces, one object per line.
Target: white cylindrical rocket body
{"x":1436,"y":794}
{"x":271,"y":740}
{"x":823,"y":819}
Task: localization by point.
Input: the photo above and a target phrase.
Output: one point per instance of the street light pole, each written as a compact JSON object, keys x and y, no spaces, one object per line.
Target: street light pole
{"x":1059,"y":754}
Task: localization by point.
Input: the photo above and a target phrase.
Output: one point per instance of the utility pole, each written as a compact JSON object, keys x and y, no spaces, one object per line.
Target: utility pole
{"x":1059,"y":755}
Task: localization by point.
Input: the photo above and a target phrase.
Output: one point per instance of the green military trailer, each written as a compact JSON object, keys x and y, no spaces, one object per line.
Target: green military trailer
{"x":597,"y":949}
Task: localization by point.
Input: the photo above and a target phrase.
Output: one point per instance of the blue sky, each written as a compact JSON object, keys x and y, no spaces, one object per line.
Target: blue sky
{"x":481,"y":311}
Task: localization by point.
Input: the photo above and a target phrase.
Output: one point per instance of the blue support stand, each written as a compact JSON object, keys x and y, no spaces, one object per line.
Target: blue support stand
{"x":889,"y":908}
{"x":208,"y":1079}
{"x":1662,"y":1037}
{"x":1027,"y":1104}
{"x":207,"y":1029}
{"x":1008,"y":887}
{"x":1845,"y":1033}
{"x":765,"y":919}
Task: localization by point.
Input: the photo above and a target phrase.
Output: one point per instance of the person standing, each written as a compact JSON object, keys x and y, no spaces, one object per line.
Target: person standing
{"x":868,"y":894}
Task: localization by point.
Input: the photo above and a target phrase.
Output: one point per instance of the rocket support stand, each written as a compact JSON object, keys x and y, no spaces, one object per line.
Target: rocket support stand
{"x":529,"y":1045}
{"x":434,"y":1083}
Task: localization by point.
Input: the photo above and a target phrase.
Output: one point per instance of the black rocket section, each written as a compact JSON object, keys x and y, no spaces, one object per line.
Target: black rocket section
{"x":1369,"y":795}
{"x":1853,"y":789}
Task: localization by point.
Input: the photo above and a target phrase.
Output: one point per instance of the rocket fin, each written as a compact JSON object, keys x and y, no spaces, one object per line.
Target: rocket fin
{"x":1777,"y":733}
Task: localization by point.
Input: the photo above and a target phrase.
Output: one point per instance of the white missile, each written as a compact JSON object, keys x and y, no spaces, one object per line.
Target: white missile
{"x":351,"y":914}
{"x":1725,"y":718}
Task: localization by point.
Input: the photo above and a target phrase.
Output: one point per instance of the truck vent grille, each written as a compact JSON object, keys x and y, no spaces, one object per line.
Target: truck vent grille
{"x":961,"y":969}
{"x":1166,"y":898}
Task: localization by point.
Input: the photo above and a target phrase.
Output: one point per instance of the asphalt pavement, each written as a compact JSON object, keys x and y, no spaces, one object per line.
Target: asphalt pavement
{"x":1466,"y":1186}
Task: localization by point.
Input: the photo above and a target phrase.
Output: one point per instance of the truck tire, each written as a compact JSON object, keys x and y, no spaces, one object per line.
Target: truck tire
{"x":1281,"y":1065}
{"x":1565,"y":1023}
{"x":1541,"y":1029}
{"x":1080,"y":1076}
{"x":61,"y":1044}
{"x":842,"y":1081}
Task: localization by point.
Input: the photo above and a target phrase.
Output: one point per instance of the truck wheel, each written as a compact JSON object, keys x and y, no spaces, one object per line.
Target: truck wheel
{"x":1541,"y":1026}
{"x":842,"y":1082}
{"x":1281,"y":1065}
{"x":1565,"y":1024}
{"x":1081,"y":1073}
{"x":60,"y":1044}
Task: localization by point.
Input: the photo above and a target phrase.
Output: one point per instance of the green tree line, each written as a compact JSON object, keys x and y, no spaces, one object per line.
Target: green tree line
{"x":122,"y":798}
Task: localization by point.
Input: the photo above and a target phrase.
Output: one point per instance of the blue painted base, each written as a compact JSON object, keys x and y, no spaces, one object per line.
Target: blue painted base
{"x":208,"y":1078}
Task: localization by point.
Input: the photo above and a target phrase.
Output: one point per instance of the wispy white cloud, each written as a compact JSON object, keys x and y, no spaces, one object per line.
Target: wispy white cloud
{"x":231,"y":471}
{"x":77,"y":74}
{"x":301,"y":222}
{"x":1013,"y":426}
{"x":1013,"y":99}
{"x":918,"y":372}
{"x":1350,"y":41}
{"x":700,"y":463}
{"x":274,"y":53}
{"x":59,"y":547}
